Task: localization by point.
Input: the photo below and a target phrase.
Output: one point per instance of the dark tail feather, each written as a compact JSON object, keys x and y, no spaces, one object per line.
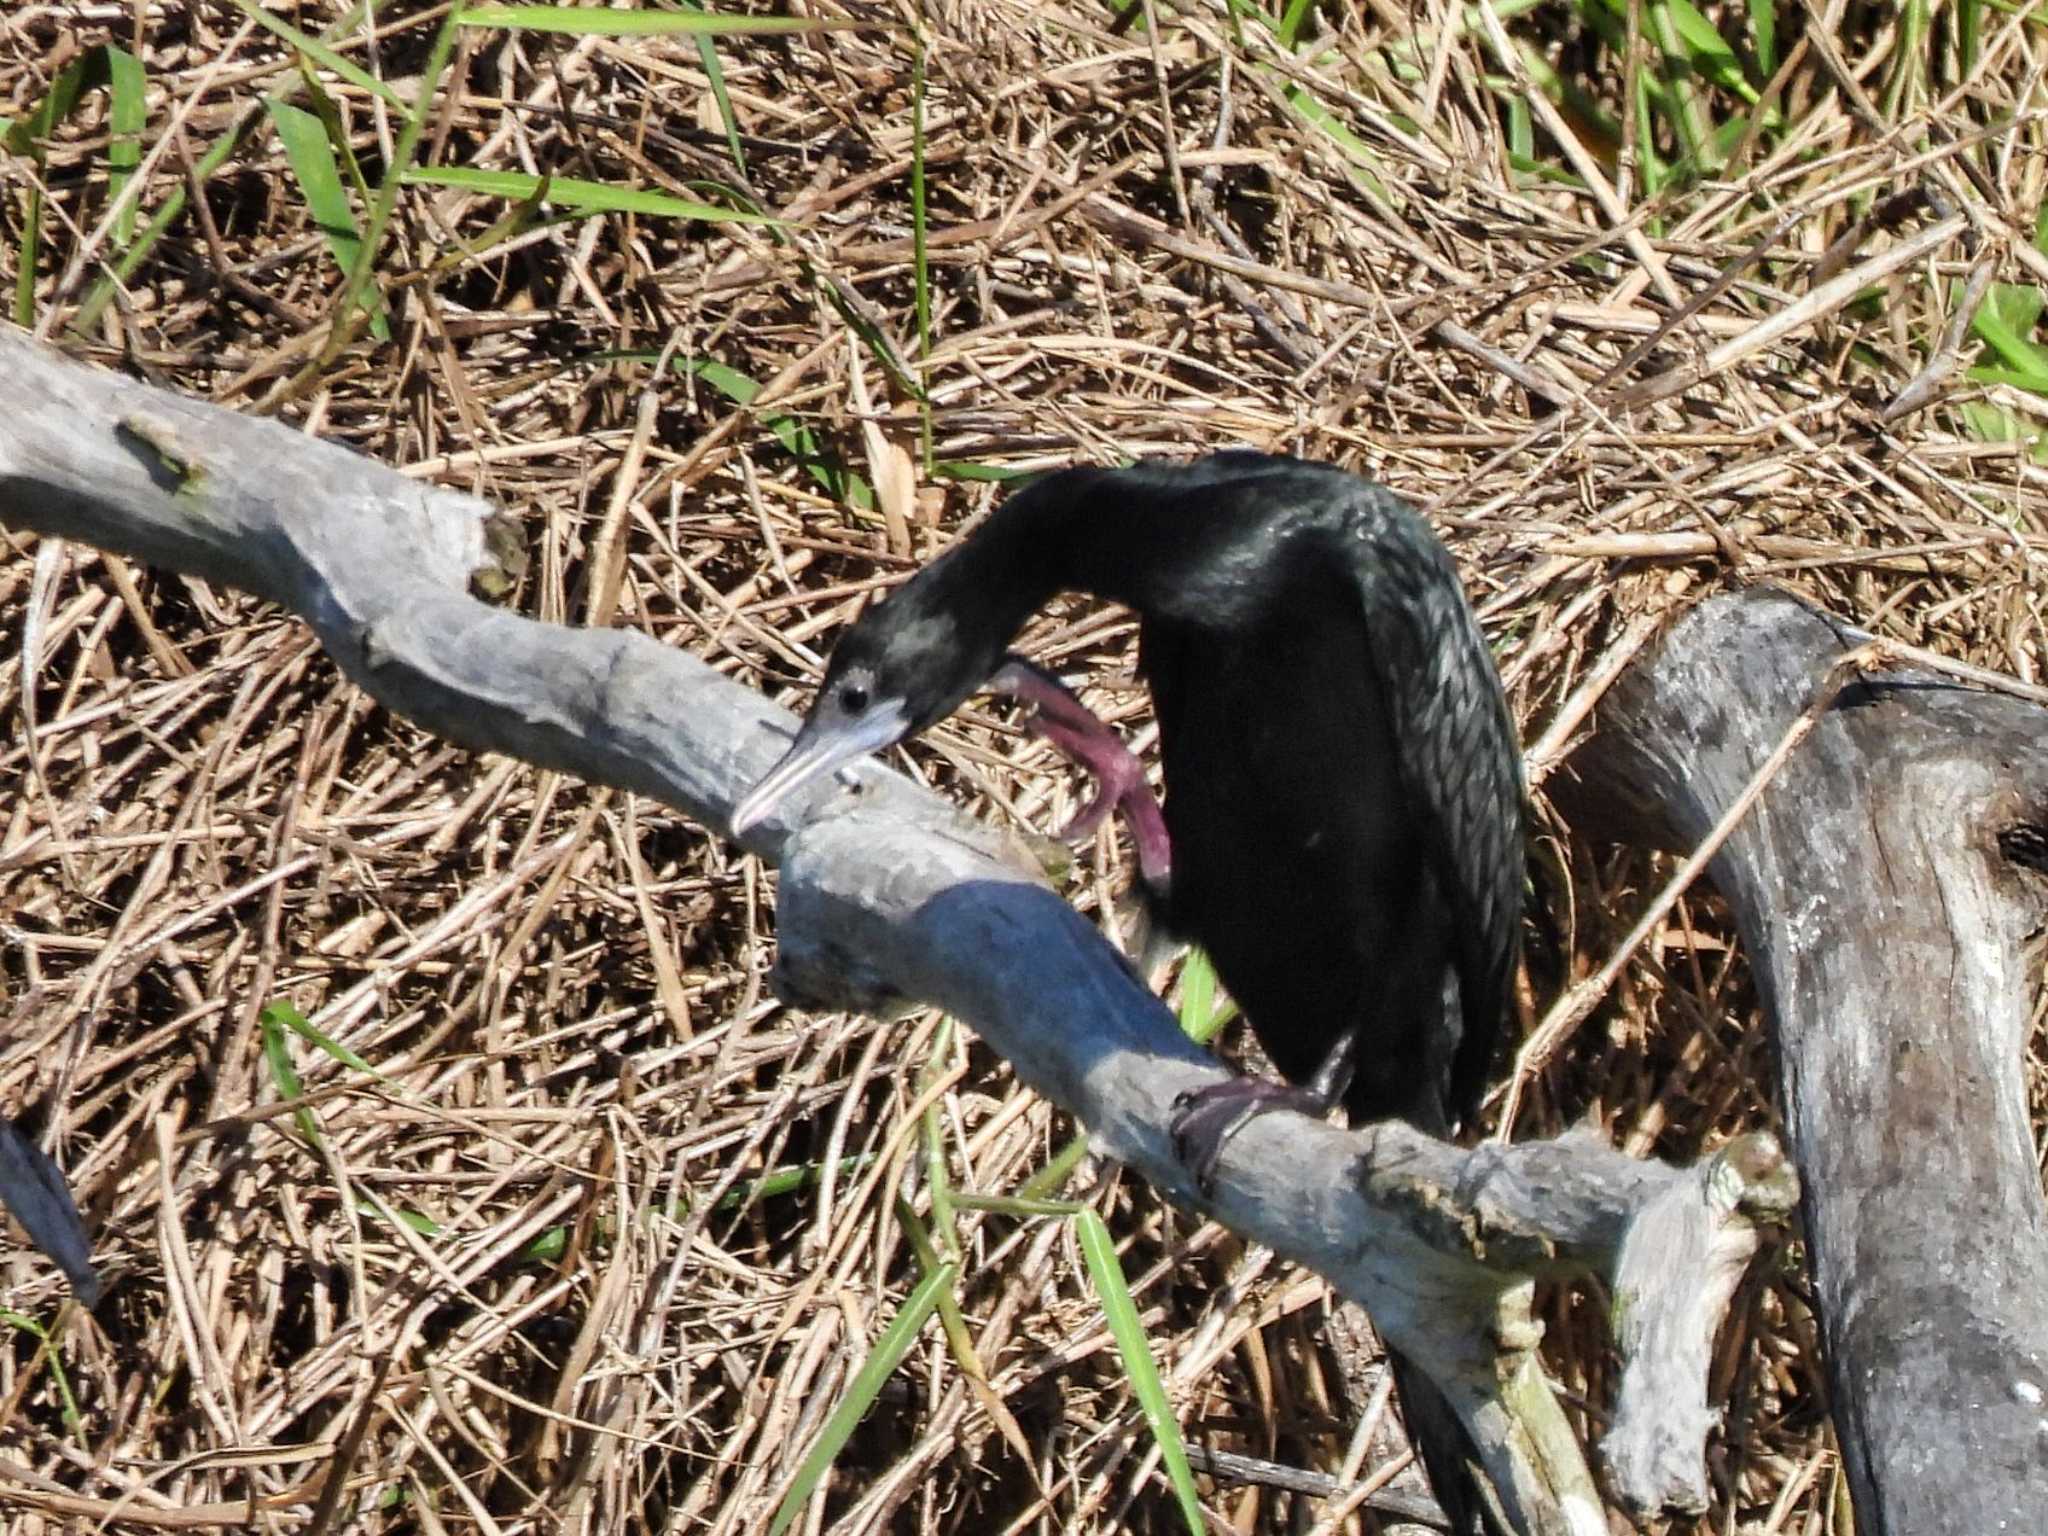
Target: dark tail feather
{"x":1447,"y":1453}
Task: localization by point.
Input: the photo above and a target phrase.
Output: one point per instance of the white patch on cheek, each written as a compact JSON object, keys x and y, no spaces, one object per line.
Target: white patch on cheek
{"x":929,"y":632}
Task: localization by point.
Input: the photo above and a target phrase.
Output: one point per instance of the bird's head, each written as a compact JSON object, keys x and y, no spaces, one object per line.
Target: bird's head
{"x":905,"y":664}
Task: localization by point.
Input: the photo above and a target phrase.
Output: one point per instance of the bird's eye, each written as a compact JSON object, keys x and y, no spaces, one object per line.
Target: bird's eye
{"x":853,"y":698}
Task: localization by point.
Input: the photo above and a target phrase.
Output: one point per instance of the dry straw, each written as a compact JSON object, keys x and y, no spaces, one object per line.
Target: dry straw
{"x":1610,"y":404}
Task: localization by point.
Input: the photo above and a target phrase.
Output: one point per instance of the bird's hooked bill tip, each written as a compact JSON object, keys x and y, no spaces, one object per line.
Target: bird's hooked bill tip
{"x":789,"y":772}
{"x":816,"y":752}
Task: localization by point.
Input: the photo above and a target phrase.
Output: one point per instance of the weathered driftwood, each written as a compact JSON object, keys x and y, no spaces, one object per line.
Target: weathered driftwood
{"x":893,"y":897}
{"x":1887,"y":887}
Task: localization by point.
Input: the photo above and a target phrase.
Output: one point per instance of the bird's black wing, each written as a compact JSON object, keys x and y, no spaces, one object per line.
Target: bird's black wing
{"x":1459,"y":756}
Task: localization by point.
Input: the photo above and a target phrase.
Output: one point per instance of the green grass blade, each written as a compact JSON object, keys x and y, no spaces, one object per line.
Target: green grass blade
{"x":1368,"y":165}
{"x":515,"y":221}
{"x":1052,"y":1178}
{"x":801,"y":442}
{"x":1996,"y":424}
{"x":1521,"y":129}
{"x":1098,"y":1250}
{"x":797,"y":439}
{"x":217,"y":155}
{"x":127,"y":115}
{"x":879,"y":346}
{"x":581,"y":197}
{"x":1296,"y":17}
{"x":1763,"y":32}
{"x":1906,"y":83}
{"x":25,"y":271}
{"x":959,"y":1343}
{"x":311,"y":156}
{"x":1015,"y":1205}
{"x":577,"y":22}
{"x":1650,"y":166}
{"x":970,"y":470}
{"x":739,"y":199}
{"x":416,"y":1221}
{"x":1680,"y":102}
{"x":938,"y":1178}
{"x":1587,"y":115}
{"x":326,"y":57}
{"x":786,"y":1180}
{"x":714,"y":76}
{"x":2003,"y":322}
{"x":25,"y":137}
{"x":861,"y":1392}
{"x":46,"y":1350}
{"x":277,"y":1056}
{"x":544,"y":1249}
{"x":1203,"y":1010}
{"x":285,"y":1016}
{"x":378,"y":218}
{"x":2015,"y":307}
{"x":322,"y":106}
{"x":1543,"y":170}
{"x":1708,"y":52}
{"x":2029,"y":379}
{"x":1727,"y":136}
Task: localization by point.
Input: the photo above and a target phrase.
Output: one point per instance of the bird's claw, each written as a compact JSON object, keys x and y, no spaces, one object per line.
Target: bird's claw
{"x":1059,"y":716}
{"x":1204,"y":1119}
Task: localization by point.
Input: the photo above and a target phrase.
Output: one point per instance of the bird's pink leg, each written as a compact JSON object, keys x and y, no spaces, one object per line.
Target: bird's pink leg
{"x":1074,"y":729}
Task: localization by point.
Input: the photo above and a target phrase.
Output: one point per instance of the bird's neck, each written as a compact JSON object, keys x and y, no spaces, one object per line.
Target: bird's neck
{"x":1080,"y":530}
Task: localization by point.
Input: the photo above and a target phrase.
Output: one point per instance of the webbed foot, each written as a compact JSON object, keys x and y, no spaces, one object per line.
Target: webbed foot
{"x":1206,"y":1119}
{"x":1062,"y":719}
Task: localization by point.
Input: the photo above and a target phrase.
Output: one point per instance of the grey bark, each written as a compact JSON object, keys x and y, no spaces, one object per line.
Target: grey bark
{"x":1889,"y":889}
{"x":889,"y":896}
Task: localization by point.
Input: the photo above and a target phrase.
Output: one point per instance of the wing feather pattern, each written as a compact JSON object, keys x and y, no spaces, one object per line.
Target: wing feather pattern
{"x":1459,"y":756}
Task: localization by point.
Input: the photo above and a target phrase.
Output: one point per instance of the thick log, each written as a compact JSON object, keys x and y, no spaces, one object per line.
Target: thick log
{"x":1888,"y":887}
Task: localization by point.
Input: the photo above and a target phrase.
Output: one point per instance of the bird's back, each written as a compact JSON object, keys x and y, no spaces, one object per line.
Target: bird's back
{"x":1343,"y":783}
{"x":1298,"y":863}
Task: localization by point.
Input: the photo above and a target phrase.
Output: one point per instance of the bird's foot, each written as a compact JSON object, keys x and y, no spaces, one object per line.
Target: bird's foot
{"x":1122,"y":786}
{"x":1206,"y":1119}
{"x":1074,"y":729}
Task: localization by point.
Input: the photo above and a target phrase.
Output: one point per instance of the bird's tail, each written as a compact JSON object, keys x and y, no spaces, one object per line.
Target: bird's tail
{"x":1447,"y":1453}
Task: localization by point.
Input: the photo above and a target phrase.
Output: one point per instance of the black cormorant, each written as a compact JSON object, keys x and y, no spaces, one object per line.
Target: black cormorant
{"x":1343,"y":782}
{"x":1344,"y":794}
{"x":1342,"y":775}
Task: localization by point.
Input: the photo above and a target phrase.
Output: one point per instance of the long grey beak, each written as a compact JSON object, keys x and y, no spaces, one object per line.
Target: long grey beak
{"x":819,"y":748}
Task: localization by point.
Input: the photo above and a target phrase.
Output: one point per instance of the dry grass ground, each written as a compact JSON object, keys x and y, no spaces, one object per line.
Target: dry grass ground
{"x":505,"y":1277}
